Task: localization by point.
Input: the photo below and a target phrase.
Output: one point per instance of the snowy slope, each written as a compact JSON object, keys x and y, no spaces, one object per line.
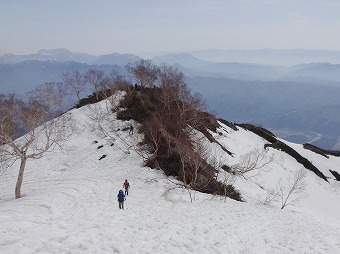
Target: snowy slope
{"x":69,"y":203}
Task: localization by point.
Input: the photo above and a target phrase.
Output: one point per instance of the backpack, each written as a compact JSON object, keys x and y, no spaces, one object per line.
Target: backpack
{"x":121,"y":196}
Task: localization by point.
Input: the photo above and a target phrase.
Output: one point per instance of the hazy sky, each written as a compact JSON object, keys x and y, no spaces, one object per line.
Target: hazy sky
{"x":139,"y":26}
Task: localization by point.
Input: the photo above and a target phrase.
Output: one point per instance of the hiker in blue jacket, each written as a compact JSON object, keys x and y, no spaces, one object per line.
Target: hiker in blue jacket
{"x":121,"y":199}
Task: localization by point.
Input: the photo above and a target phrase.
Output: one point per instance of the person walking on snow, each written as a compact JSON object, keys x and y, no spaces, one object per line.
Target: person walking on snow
{"x":126,"y":186}
{"x":121,"y":199}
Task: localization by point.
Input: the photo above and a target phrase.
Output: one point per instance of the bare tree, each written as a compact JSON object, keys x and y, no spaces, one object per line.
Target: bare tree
{"x":115,"y":84}
{"x":42,"y":132}
{"x":97,"y":79}
{"x":170,"y":76}
{"x":192,"y":163}
{"x":153,"y":129}
{"x":118,"y":82}
{"x":254,"y":160}
{"x":179,"y":108}
{"x":144,"y":72}
{"x":294,"y":191}
{"x":75,"y":81}
{"x":271,"y":197}
{"x":218,"y":161}
{"x":190,"y":166}
{"x":200,"y":167}
{"x":51,"y":94}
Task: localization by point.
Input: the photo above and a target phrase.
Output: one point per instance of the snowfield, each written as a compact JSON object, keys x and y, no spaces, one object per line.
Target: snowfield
{"x":69,"y":203}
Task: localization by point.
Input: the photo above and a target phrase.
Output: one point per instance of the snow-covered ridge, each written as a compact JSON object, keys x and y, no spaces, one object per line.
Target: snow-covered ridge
{"x":69,"y":203}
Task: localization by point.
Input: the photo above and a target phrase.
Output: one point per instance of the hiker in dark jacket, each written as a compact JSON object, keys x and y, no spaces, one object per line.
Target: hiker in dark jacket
{"x":121,"y":199}
{"x":126,"y":187}
{"x":131,"y":130}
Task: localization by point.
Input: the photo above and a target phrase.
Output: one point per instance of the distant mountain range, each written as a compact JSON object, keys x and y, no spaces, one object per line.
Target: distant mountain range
{"x":286,"y":57}
{"x":300,"y":101}
{"x":305,"y":72}
{"x":192,"y":65}
{"x":64,"y":55}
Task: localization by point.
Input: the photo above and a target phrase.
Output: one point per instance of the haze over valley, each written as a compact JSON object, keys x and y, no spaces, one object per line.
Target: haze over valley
{"x":299,"y":102}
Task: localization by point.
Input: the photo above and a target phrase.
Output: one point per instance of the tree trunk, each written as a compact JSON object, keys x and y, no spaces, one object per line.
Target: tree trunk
{"x":20,"y":177}
{"x":78,"y":95}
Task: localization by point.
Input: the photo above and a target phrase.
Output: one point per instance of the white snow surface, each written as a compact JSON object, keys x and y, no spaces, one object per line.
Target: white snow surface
{"x":69,"y":202}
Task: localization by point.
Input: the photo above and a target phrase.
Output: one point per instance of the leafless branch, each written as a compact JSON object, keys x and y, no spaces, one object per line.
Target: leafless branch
{"x":254,"y":160}
{"x":43,"y":131}
{"x":294,"y":190}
